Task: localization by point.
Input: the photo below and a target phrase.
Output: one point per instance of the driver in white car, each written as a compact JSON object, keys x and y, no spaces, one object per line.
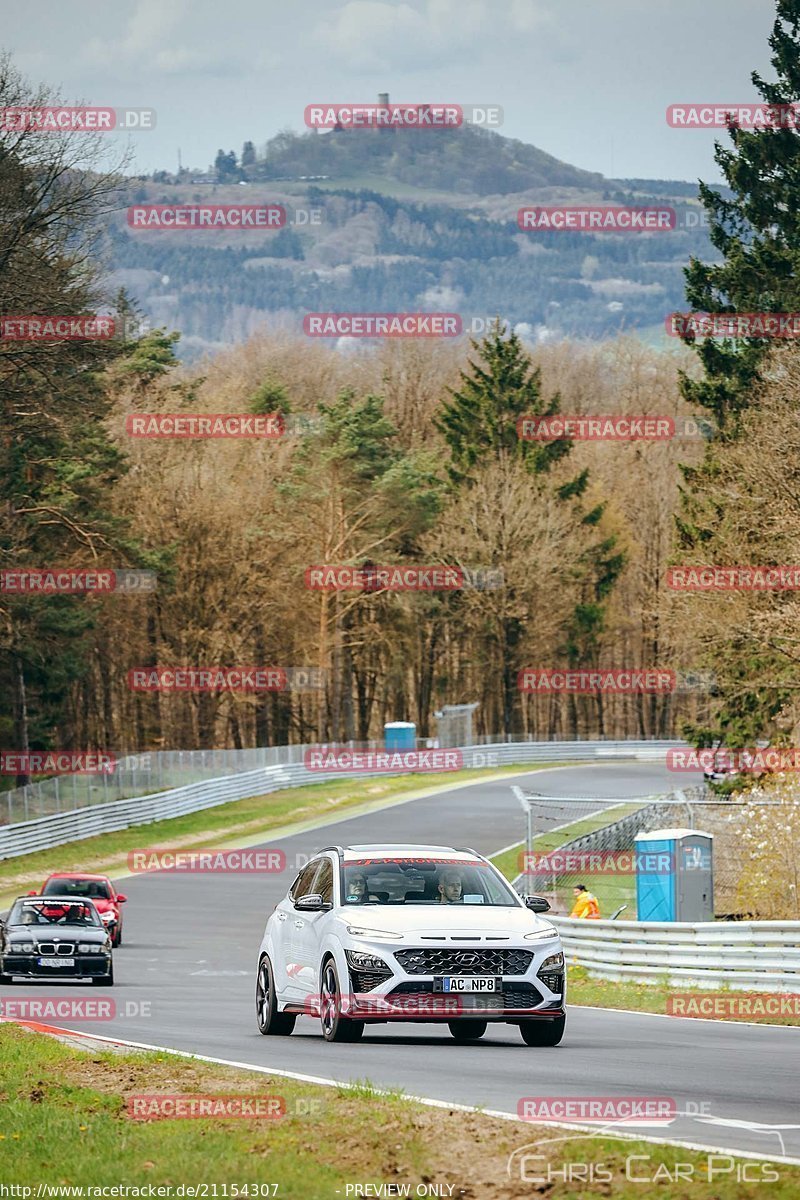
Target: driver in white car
{"x":450,"y":886}
{"x":357,"y":889}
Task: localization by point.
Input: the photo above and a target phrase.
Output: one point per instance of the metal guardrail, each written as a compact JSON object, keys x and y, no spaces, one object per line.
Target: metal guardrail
{"x":54,"y":829}
{"x":160,"y":770}
{"x":741,"y":955}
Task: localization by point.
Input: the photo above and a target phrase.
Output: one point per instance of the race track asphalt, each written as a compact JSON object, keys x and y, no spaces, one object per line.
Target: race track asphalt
{"x":189,"y":956}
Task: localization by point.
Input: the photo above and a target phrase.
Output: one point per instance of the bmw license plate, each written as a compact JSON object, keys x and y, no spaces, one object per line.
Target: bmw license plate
{"x":56,"y":962}
{"x":468,"y":983}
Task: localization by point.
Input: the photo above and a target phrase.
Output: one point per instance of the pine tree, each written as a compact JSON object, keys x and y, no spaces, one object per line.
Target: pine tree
{"x":481,"y":419}
{"x":757,"y":232}
{"x":479,"y":424}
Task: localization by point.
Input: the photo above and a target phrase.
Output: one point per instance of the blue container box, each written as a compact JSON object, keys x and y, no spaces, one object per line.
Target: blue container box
{"x":400,"y":735}
{"x":674,"y":875}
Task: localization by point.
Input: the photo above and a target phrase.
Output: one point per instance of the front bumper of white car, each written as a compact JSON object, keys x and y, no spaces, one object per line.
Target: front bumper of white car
{"x":417,"y":979}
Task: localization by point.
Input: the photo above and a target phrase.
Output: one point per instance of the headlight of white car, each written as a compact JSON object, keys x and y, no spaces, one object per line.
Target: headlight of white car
{"x":374,"y":935}
{"x":555,"y":962}
{"x":360,"y":961}
{"x":550,"y":932}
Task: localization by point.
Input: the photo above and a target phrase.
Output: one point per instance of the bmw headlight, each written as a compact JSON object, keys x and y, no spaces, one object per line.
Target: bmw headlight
{"x":374,"y":935}
{"x":549,"y":932}
{"x":363,"y":962}
{"x":21,"y":948}
{"x":90,"y":948}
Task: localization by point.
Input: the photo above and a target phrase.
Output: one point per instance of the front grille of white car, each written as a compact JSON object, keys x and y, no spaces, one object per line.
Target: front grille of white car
{"x":513,"y":995}
{"x":428,"y":960}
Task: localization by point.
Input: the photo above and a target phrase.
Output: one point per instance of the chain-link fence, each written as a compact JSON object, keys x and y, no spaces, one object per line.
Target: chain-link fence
{"x":157,"y":770}
{"x":137,"y":775}
{"x":756,"y":840}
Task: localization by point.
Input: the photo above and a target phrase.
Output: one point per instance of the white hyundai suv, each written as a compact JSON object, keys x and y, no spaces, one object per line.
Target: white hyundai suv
{"x":369,"y":934}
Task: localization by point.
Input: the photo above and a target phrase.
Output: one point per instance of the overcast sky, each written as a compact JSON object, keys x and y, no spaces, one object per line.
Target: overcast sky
{"x":586,"y":80}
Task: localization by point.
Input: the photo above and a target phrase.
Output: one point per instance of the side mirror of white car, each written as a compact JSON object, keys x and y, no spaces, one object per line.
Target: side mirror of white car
{"x":312,"y":903}
{"x":537,"y":903}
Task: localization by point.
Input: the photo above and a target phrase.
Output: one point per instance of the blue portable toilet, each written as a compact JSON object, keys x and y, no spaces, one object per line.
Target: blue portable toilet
{"x":400,"y":735}
{"x":675,"y":875}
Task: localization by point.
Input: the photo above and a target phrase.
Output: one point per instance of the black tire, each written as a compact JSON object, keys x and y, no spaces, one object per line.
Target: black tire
{"x":468,"y":1030}
{"x":540,"y":1032}
{"x":104,"y":980}
{"x":6,"y":980}
{"x":270,"y":1021}
{"x":117,"y":939}
{"x":335,"y":1027}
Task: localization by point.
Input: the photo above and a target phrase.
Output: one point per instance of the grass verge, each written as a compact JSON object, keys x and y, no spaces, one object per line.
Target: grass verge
{"x":64,"y":1122}
{"x":240,"y":820}
{"x":582,"y":988}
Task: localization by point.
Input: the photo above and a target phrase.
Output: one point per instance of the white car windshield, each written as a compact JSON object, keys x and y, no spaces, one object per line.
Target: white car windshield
{"x":433,"y":880}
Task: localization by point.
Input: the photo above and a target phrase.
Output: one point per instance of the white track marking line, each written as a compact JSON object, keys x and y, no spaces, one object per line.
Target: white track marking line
{"x":428,"y":1101}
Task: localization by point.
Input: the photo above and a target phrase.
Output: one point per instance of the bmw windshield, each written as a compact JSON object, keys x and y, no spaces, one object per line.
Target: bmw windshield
{"x":420,"y":881}
{"x":58,"y":911}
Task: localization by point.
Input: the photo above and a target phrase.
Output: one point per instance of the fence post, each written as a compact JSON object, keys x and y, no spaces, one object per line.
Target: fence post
{"x":529,"y":849}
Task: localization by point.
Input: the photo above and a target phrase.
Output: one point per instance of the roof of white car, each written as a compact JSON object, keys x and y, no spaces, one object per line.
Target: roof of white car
{"x":404,"y":850}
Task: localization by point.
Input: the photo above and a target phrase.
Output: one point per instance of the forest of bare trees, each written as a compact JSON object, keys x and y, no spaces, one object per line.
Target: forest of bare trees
{"x":235,"y":524}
